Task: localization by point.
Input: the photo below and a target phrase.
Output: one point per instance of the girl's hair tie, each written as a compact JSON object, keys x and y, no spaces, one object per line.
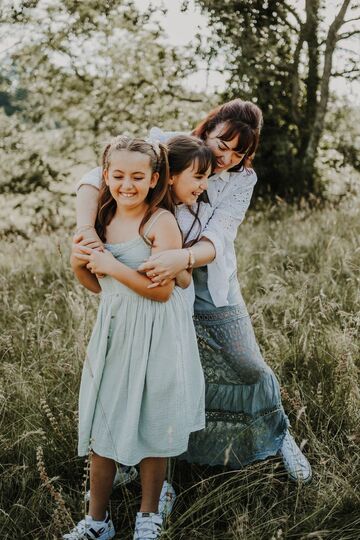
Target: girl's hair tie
{"x":155,"y":144}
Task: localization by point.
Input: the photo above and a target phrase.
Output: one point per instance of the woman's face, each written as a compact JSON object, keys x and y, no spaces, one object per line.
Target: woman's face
{"x":189,"y":184}
{"x":224,"y":151}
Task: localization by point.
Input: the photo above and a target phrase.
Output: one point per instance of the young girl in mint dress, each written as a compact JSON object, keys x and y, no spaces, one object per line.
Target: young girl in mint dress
{"x":142,"y":387}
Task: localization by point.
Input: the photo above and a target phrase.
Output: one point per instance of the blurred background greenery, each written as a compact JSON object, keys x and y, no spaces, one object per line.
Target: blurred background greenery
{"x":74,"y":73}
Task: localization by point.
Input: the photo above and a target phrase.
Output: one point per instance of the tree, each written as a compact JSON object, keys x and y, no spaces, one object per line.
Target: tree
{"x":90,"y":70}
{"x":283,"y":58}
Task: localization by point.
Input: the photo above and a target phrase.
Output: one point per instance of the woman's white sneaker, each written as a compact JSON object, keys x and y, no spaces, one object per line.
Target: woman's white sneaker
{"x":124,"y":475}
{"x":295,"y":463}
{"x":167,"y":500}
{"x":148,"y":526}
{"x":89,"y":529}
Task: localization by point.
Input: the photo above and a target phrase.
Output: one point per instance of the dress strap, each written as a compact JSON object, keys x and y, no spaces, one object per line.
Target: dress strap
{"x":153,"y":220}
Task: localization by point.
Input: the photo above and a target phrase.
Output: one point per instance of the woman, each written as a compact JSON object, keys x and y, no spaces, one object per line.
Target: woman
{"x":245,"y":418}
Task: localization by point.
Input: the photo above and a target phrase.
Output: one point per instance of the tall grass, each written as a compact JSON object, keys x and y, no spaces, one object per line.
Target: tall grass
{"x":299,"y":271}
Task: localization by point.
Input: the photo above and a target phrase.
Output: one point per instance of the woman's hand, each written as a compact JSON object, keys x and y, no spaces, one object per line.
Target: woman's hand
{"x":100,"y":263}
{"x":88,"y":237}
{"x":164,"y":266}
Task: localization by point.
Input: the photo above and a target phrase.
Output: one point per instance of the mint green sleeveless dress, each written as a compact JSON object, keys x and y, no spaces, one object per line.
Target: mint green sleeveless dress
{"x":142,"y":386}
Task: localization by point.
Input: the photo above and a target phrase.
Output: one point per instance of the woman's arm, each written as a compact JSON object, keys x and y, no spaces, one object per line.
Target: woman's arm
{"x":168,"y":264}
{"x":217,"y":236}
{"x":87,"y":202}
{"x":86,"y":206}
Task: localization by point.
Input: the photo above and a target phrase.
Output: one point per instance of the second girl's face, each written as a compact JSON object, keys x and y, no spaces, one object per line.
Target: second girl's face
{"x":189,"y":184}
{"x":130,"y":177}
{"x":224,"y":151}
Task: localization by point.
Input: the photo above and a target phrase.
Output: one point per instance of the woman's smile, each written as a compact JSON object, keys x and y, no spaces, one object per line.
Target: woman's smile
{"x":219,"y":162}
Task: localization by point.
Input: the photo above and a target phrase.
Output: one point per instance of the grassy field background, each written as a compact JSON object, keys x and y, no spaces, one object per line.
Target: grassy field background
{"x":299,"y":270}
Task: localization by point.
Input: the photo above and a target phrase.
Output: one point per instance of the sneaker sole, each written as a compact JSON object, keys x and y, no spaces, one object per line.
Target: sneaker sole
{"x":106,"y":536}
{"x":297,"y":480}
{"x":109,"y":536}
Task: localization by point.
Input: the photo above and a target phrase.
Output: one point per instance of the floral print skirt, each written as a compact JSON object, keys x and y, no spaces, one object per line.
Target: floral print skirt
{"x":245,"y":420}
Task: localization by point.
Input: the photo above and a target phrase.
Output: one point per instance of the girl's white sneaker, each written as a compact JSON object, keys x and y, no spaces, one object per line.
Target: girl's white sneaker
{"x":89,"y":529}
{"x":167,"y":500}
{"x":148,"y":526}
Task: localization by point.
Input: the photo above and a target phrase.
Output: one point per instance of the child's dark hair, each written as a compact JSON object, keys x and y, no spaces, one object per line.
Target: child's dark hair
{"x":157,"y":196}
{"x":184,"y":151}
{"x":241,"y":118}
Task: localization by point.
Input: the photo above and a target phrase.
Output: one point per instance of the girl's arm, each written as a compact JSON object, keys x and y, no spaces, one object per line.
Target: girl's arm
{"x":140,"y":283}
{"x":165,"y":235}
{"x":183,"y":279}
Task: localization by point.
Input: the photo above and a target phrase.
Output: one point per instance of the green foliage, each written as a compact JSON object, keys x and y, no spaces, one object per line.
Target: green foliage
{"x":299,"y":275}
{"x":10,"y":100}
{"x":24,"y":168}
{"x":274,"y":52}
{"x":258,"y":49}
{"x":341,"y":143}
{"x":90,"y":70}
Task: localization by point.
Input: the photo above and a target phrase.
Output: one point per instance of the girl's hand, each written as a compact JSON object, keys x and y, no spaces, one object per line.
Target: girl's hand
{"x":90,"y":239}
{"x":77,"y":261}
{"x":164,"y":266}
{"x":98,"y":262}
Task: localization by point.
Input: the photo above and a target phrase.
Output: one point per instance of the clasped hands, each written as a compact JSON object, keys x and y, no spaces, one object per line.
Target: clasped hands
{"x":90,"y":252}
{"x":160,"y":268}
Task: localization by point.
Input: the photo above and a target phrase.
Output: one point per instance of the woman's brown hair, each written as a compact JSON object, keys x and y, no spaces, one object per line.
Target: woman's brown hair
{"x":157,"y":196}
{"x":242,"y":119}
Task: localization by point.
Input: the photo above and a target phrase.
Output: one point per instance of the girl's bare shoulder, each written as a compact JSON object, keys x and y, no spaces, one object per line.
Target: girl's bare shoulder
{"x":164,"y":228}
{"x":160,"y":219}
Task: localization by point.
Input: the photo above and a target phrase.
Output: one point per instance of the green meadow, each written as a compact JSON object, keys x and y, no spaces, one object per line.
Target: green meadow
{"x":299,"y":270}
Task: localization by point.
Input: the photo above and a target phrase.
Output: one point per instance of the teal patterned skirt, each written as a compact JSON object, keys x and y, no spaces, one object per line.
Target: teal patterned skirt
{"x":245,"y":420}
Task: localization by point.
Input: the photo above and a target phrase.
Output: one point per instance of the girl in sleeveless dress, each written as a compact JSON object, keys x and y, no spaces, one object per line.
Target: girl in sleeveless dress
{"x":142,"y":387}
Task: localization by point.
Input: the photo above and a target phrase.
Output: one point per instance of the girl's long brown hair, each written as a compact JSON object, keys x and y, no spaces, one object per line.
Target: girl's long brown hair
{"x":241,"y":118}
{"x":157,"y":196}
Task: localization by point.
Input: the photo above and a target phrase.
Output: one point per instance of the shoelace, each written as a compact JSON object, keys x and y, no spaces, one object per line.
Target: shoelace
{"x":78,"y":530}
{"x":83,"y":528}
{"x":293,"y":453}
{"x":147,"y":528}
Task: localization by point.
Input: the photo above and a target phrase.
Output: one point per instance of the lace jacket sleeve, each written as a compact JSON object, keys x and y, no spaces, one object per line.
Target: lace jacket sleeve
{"x":230,"y":209}
{"x":92,"y":178}
{"x":157,"y":134}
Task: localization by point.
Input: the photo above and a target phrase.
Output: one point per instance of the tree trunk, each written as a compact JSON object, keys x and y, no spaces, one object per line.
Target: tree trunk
{"x":321,"y":107}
